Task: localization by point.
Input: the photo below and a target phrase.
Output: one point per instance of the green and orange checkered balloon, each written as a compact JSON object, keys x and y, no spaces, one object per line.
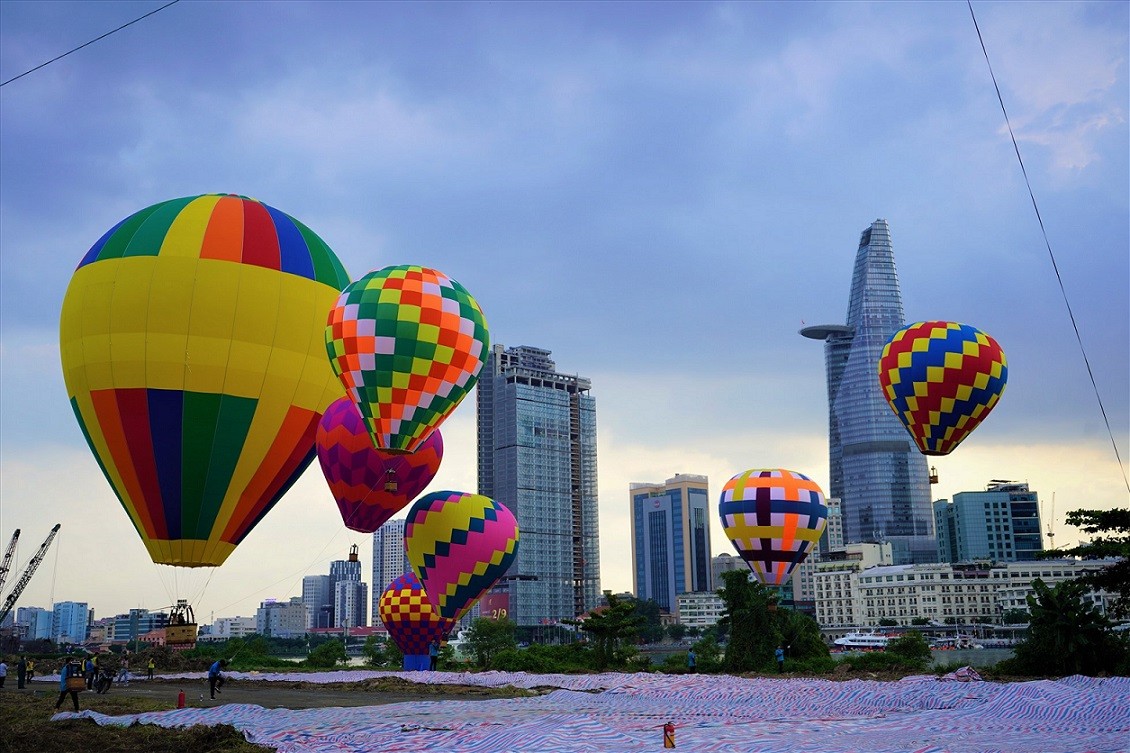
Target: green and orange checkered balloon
{"x":408,"y":343}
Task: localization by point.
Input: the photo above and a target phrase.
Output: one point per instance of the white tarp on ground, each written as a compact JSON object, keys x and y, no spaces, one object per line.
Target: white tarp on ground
{"x":711,"y":713}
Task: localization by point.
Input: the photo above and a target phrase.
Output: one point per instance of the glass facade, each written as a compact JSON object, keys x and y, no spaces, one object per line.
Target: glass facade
{"x":875,"y":469}
{"x":1001,"y":524}
{"x":537,"y":456}
{"x":670,"y":539}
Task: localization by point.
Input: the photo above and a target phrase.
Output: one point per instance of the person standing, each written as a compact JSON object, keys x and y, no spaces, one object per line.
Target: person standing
{"x":433,"y":654}
{"x":780,"y":654}
{"x":692,"y":661}
{"x":150,"y":667}
{"x":70,"y":671}
{"x":215,"y":677}
{"x":21,"y":673}
{"x":30,"y":669}
{"x":123,"y":671}
{"x":3,"y":672}
{"x":89,"y":671}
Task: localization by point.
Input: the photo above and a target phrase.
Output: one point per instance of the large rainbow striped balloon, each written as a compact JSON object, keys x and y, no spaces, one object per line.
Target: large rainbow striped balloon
{"x":942,"y":379}
{"x":774,"y":518}
{"x":192,"y":353}
{"x":459,"y":544}
{"x":370,"y":485}
{"x":408,"y":343}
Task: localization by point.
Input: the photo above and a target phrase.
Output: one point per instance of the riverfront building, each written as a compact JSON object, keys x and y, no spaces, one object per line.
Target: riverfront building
{"x":537,"y":456}
{"x":1001,"y":523}
{"x":670,"y":539}
{"x":875,"y":469}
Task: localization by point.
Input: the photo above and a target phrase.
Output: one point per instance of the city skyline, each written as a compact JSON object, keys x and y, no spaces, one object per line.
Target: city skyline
{"x":661,"y":194}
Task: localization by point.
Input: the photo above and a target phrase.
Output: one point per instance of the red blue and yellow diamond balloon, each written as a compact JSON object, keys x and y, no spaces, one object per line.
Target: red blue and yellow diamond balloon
{"x":370,"y":485}
{"x":942,"y":379}
{"x":408,"y":343}
{"x":459,"y":544}
{"x":774,"y":518}
{"x":191,"y":347}
{"x":410,"y":620}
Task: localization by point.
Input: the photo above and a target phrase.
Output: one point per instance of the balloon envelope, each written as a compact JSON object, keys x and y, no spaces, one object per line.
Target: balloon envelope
{"x":370,"y":486}
{"x":190,"y":347}
{"x":408,"y":343}
{"x":774,"y":518}
{"x":459,"y":544}
{"x":408,"y":616}
{"x":942,"y":379}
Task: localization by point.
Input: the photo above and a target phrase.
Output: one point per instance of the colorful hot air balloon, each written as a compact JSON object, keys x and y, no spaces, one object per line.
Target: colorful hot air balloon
{"x":408,"y":344}
{"x":774,"y":518}
{"x":942,"y":379}
{"x":411,"y":621}
{"x":459,"y":544}
{"x":191,"y":351}
{"x":370,"y":485}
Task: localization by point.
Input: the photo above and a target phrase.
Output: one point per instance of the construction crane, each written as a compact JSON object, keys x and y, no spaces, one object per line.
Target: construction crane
{"x":7,"y":564}
{"x":32,"y":566}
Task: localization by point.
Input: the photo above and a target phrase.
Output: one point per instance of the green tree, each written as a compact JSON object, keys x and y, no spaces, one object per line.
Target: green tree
{"x":800,"y":634}
{"x":888,"y":622}
{"x":1015,"y":617}
{"x":1111,"y":529}
{"x":753,"y":636}
{"x":613,"y":631}
{"x":920,"y":621}
{"x":487,"y":638}
{"x":1066,"y":635}
{"x":676,"y":631}
{"x":651,"y":627}
{"x":327,"y":655}
{"x":374,"y":652}
{"x":708,"y":654}
{"x":912,"y":648}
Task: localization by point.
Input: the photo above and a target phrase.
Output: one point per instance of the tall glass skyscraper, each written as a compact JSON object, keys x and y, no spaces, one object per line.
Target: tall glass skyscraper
{"x":537,"y":456}
{"x":670,"y":539}
{"x":876,"y":471}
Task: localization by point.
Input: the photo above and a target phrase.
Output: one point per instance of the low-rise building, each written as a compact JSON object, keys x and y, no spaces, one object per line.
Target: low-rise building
{"x":699,"y":609}
{"x":281,"y":619}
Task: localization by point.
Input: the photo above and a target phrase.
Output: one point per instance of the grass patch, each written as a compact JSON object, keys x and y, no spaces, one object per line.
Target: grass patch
{"x":26,"y":721}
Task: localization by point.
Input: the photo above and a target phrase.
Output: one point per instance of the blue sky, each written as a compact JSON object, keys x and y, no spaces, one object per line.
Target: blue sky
{"x":662,"y":194}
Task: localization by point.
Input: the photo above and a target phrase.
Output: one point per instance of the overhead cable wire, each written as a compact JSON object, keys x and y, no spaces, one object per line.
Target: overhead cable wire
{"x":1051,"y":255}
{"x":87,"y":44}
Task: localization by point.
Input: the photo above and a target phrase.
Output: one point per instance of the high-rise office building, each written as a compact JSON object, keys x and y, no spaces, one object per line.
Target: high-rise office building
{"x":345,"y":578}
{"x":317,"y":598}
{"x":876,"y":471}
{"x":68,"y":621}
{"x":37,"y":621}
{"x":351,"y":604}
{"x":537,"y":456}
{"x":670,"y":539}
{"x":1001,"y":524}
{"x":390,"y":559}
{"x":342,"y":570}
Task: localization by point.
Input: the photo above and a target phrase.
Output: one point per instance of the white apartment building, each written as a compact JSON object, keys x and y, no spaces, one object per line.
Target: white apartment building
{"x":1013,"y":581}
{"x":281,"y":619}
{"x":230,"y":627}
{"x":939,"y":592}
{"x":963,"y":593}
{"x":699,"y":609}
{"x":826,"y":580}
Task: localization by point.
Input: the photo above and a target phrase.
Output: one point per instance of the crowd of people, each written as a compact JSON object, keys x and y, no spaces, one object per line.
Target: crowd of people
{"x":75,"y":675}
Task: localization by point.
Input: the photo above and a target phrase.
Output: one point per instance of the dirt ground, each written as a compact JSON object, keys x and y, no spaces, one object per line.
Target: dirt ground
{"x":291,"y":695}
